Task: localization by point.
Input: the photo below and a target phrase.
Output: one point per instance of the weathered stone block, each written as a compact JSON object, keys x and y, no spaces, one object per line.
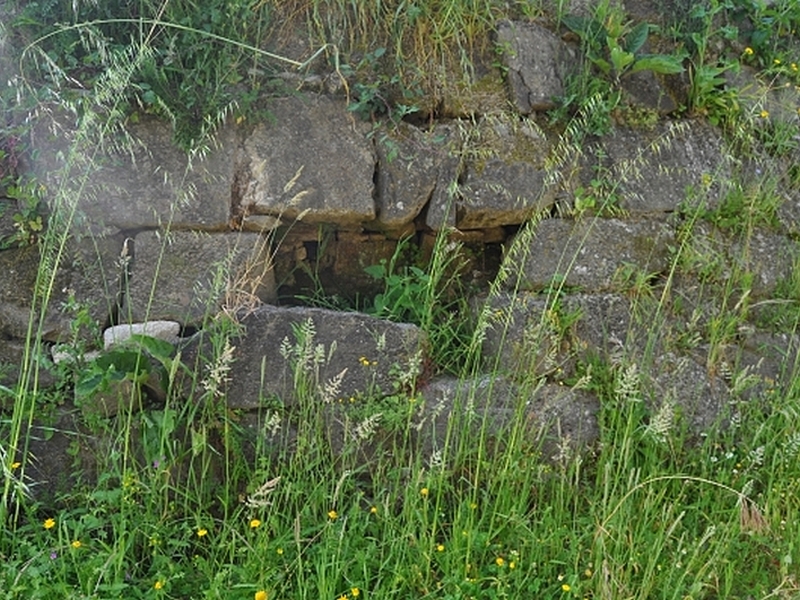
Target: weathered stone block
{"x":316,"y":355}
{"x":588,"y":252}
{"x":769,"y":256}
{"x":557,"y":419}
{"x":506,"y":184}
{"x":88,"y":272}
{"x":141,"y":181}
{"x":408,"y":167}
{"x":310,"y":160}
{"x":538,"y":64}
{"x":651,"y":171}
{"x":185,"y":276}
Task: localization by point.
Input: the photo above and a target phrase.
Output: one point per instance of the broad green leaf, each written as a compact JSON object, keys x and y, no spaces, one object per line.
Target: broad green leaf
{"x":376,"y":271}
{"x":636,"y":38}
{"x":604,"y":65}
{"x":577,"y":24}
{"x":621,"y":59}
{"x":158,"y":349}
{"x":658,"y":63}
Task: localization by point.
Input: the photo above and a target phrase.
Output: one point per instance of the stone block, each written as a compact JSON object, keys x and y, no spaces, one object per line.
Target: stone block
{"x":314,"y":355}
{"x":310,"y":160}
{"x":587,"y":253}
{"x":185,"y":276}
{"x":142,"y":180}
{"x":538,"y":63}
{"x":651,"y":171}
{"x":408,"y":165}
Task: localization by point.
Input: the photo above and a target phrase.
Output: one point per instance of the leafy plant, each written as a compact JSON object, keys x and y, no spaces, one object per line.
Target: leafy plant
{"x":371,"y":93}
{"x":28,"y":219}
{"x":431,"y":298}
{"x":613,"y":44}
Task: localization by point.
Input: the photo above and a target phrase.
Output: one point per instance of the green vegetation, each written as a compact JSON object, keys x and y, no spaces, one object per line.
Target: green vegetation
{"x":186,"y":498}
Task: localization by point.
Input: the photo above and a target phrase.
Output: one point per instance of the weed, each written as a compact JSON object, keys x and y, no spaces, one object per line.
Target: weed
{"x":431,"y":298}
{"x":613,"y":44}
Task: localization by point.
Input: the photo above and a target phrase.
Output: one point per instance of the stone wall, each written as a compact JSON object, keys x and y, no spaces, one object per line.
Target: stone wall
{"x":314,"y":194}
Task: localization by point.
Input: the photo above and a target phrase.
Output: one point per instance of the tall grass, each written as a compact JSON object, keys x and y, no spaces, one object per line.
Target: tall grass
{"x":425,"y":495}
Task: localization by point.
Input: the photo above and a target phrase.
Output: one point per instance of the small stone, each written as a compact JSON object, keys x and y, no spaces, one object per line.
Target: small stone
{"x":162,"y":330}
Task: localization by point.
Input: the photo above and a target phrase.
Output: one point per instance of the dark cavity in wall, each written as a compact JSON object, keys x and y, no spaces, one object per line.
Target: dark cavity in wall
{"x":330,"y":269}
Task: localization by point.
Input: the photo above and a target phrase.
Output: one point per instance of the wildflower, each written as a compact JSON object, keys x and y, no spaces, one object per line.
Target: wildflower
{"x":342,"y":597}
{"x":158,"y":585}
{"x":53,"y":555}
{"x":566,"y":587}
{"x":764,"y":114}
{"x":202,"y":532}
{"x":512,"y":565}
{"x":76,"y":544}
{"x":255,"y":523}
{"x":15,"y":465}
{"x":373,"y":510}
{"x":279,"y":551}
{"x":588,"y":572}
{"x":500,"y":561}
{"x":49,"y":523}
{"x":333,"y":515}
{"x":776,"y":61}
{"x":364,"y":361}
{"x":260,"y":595}
{"x":440,"y":547}
{"x":425,"y":492}
{"x":793,"y":66}
{"x":748,"y":51}
{"x":355,"y":592}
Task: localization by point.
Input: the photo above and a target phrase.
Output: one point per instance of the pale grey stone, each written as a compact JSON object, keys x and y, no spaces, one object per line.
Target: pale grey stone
{"x":162,"y":330}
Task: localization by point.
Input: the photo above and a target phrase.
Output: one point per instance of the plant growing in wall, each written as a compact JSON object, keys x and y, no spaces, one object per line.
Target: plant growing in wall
{"x":614,"y":45}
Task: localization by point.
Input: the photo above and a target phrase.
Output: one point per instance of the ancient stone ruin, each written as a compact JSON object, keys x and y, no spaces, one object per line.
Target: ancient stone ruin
{"x":311,"y":196}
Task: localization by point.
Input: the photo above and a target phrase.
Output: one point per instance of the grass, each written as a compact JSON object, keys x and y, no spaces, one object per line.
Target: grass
{"x":196,"y":501}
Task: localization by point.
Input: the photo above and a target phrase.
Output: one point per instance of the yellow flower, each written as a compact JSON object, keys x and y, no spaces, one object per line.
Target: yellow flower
{"x":424,"y":491}
{"x":333,"y":515}
{"x":255,"y":523}
{"x":566,"y":587}
{"x":440,"y":548}
{"x":512,"y":565}
{"x":500,"y":561}
{"x":793,"y":66}
{"x":364,"y":361}
{"x":158,"y":584}
{"x":588,"y":572}
{"x":202,"y":532}
{"x":342,"y":597}
{"x":776,"y":61}
{"x":373,"y":510}
{"x":355,"y":592}
{"x":748,"y":51}
{"x":764,"y":114}
{"x":76,"y":544}
{"x":260,"y":595}
{"x":16,"y":465}
{"x":279,"y":551}
{"x":49,"y":523}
